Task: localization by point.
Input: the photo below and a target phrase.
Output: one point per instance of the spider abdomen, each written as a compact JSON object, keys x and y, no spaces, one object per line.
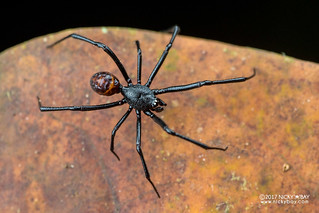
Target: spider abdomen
{"x":139,"y":97}
{"x":105,"y":83}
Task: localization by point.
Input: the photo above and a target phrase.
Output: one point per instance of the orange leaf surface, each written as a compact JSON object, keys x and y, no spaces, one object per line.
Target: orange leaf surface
{"x":60,"y":161}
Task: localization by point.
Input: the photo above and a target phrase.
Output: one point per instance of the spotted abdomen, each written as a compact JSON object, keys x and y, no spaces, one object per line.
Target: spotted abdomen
{"x":105,"y":83}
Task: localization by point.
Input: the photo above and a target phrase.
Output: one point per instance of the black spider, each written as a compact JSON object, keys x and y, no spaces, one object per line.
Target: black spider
{"x":139,"y":97}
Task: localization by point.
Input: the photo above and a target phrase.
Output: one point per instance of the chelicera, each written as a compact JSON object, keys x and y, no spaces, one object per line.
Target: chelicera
{"x":138,"y":96}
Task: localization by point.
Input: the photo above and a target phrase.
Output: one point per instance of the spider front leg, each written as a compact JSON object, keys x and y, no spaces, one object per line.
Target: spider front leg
{"x":139,"y":62}
{"x":176,"y":30}
{"x":139,"y":150}
{"x":198,"y":84}
{"x":162,"y":124}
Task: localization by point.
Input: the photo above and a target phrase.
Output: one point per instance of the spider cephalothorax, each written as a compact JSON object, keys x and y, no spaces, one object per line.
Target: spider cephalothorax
{"x":142,"y":98}
{"x":139,"y":97}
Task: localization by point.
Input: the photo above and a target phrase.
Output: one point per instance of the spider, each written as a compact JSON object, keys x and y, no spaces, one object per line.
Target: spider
{"x":139,"y":97}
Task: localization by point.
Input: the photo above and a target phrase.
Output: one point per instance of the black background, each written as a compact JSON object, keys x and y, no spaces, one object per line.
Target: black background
{"x":290,"y":27}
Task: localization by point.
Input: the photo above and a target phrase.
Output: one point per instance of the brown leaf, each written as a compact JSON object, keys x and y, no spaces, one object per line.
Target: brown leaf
{"x":60,"y":161}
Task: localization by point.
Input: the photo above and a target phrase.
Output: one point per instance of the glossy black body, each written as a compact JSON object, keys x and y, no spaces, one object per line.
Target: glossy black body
{"x":141,"y":98}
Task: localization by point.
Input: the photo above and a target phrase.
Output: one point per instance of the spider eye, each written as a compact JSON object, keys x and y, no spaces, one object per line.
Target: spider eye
{"x":105,"y":83}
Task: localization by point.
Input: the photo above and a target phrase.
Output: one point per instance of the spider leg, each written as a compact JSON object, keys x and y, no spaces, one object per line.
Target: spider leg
{"x":117,"y":126}
{"x":202,"y":83}
{"x":139,"y":62}
{"x":162,"y":58}
{"x":102,"y":46}
{"x":169,"y":30}
{"x":139,"y":150}
{"x":80,"y":108}
{"x":162,"y":124}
